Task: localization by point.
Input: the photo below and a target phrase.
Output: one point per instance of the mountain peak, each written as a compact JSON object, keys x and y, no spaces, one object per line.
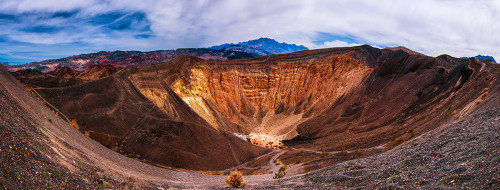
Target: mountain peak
{"x":405,"y":49}
{"x":267,"y":45}
{"x":486,"y":57}
{"x":483,"y":57}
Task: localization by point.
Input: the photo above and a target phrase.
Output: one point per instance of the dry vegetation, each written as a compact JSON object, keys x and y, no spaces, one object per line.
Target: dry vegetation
{"x":105,"y":139}
{"x":74,"y":124}
{"x":281,"y":173}
{"x":235,"y":179}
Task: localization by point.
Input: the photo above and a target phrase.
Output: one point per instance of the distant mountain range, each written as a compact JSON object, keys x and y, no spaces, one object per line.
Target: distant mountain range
{"x":483,"y":57}
{"x":249,"y":49}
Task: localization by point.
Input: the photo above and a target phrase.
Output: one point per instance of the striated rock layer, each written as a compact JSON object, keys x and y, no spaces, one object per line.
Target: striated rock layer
{"x":253,"y":96}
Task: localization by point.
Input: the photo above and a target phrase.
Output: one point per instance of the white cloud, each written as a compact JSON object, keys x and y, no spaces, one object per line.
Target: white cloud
{"x":433,"y":27}
{"x":335,"y":43}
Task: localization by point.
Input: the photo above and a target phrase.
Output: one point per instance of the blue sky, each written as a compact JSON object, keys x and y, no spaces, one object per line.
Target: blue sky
{"x":35,"y":30}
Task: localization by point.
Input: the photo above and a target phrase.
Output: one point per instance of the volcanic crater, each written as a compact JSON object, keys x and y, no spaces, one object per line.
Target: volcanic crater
{"x":315,"y":108}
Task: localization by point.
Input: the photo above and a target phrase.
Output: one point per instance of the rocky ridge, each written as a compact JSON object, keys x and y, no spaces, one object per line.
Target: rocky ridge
{"x":253,"y":48}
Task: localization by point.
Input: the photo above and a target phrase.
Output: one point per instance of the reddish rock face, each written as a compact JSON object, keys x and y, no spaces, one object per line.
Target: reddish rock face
{"x":253,"y":95}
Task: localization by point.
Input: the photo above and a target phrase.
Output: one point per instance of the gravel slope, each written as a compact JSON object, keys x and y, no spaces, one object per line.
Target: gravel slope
{"x":461,"y":155}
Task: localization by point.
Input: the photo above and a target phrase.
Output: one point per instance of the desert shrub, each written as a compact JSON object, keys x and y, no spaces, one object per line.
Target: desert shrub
{"x":235,"y":179}
{"x":281,"y":173}
{"x":103,"y":138}
{"x":307,"y":169}
{"x":50,"y":119}
{"x":411,"y":132}
{"x":298,"y":161}
{"x":74,"y":124}
{"x":479,"y":101}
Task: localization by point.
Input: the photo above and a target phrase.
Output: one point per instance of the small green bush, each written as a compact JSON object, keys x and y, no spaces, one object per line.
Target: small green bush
{"x":50,"y":119}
